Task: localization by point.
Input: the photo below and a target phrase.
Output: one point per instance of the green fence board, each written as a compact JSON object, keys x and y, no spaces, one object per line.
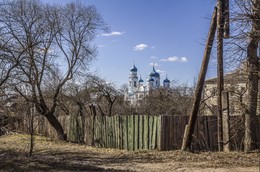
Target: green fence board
{"x":146,"y":132}
{"x":130,"y":132}
{"x":141,"y":132}
{"x":159,"y":130}
{"x":112,"y":125}
{"x":136,"y":134}
{"x":151,"y":121}
{"x":116,"y":131}
{"x":125,"y":131}
{"x":154,"y":133}
{"x":103,"y":138}
{"x":120,"y":132}
{"x":108,"y":132}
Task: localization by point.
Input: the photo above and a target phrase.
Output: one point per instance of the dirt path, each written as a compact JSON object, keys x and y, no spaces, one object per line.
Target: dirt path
{"x":63,"y":156}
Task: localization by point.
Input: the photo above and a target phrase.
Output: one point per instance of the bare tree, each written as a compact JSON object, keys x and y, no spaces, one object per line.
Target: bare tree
{"x":245,"y":17}
{"x":10,"y":55}
{"x":56,"y":44}
{"x":253,"y":61}
{"x":171,"y":101}
{"x":105,"y":95}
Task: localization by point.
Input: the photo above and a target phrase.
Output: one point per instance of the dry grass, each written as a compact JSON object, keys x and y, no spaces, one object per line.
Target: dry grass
{"x":64,"y":156}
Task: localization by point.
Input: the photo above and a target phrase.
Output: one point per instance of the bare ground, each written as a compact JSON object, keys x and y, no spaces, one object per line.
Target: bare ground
{"x":63,"y":156}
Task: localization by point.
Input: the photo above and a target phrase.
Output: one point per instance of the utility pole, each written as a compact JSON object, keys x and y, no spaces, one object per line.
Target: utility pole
{"x":220,"y":85}
{"x":189,"y":130}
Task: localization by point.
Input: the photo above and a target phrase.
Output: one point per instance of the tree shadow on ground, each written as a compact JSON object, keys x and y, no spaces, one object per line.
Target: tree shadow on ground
{"x":17,"y":161}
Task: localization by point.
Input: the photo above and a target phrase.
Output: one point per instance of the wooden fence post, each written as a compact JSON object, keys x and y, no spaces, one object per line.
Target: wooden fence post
{"x":226,"y":124}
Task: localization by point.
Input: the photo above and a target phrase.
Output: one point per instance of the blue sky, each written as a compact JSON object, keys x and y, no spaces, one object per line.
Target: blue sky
{"x":169,"y":33}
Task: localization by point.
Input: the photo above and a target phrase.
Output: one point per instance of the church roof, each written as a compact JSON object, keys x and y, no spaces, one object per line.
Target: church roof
{"x":166,"y":80}
{"x":134,"y":69}
{"x":151,"y":79}
{"x":154,"y":73}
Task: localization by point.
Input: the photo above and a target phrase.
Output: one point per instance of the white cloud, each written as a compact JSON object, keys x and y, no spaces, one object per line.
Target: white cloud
{"x":175,"y":59}
{"x":183,"y":59}
{"x":161,"y":71}
{"x":115,"y":33}
{"x":140,"y":47}
{"x":153,"y":64}
{"x":170,"y":59}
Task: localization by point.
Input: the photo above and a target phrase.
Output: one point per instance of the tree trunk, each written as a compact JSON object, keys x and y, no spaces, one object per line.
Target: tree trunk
{"x":253,"y":65}
{"x":250,"y":116}
{"x":56,"y":125}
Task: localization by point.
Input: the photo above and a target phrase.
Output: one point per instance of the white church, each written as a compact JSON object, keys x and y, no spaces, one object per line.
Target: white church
{"x":138,"y":89}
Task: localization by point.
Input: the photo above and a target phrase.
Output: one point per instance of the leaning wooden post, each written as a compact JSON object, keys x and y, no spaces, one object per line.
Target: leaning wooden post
{"x":187,"y":138}
{"x":226,"y":124}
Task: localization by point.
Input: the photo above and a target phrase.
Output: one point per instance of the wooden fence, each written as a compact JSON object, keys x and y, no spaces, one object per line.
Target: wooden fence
{"x":133,"y":132}
{"x":130,"y":132}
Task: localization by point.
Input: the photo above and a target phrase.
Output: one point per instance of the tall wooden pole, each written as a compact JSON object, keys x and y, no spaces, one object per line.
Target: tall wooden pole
{"x":187,"y":138}
{"x":226,"y":19}
{"x":220,"y":26}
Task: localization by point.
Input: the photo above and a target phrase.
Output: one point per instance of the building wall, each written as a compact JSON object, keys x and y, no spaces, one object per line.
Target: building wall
{"x":238,"y":98}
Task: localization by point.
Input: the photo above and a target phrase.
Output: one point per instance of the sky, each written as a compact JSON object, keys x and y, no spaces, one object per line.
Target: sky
{"x":169,"y":34}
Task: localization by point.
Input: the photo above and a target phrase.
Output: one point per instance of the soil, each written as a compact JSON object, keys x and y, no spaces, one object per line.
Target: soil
{"x":63,"y":156}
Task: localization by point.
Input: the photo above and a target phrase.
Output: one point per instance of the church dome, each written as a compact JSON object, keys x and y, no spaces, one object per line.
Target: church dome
{"x":154,"y":73}
{"x":141,"y":80}
{"x":151,"y":79}
{"x":166,"y":80}
{"x":134,"y":69}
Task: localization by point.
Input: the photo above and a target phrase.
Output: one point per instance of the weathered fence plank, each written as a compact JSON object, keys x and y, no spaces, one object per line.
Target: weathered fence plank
{"x":154,"y":133}
{"x":136,"y":132}
{"x":146,"y":132}
{"x":141,"y":132}
{"x":130,"y":132}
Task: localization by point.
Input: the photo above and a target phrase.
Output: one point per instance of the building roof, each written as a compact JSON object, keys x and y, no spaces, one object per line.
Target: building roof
{"x":134,"y":69}
{"x":166,"y":80}
{"x":141,"y":80}
{"x":154,"y":73}
{"x":151,"y":79}
{"x":238,"y":76}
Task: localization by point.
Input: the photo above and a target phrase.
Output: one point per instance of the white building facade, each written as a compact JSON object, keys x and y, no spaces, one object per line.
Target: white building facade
{"x":138,"y":88}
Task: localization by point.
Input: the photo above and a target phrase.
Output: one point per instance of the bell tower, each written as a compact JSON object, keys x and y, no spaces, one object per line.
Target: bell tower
{"x":133,"y":80}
